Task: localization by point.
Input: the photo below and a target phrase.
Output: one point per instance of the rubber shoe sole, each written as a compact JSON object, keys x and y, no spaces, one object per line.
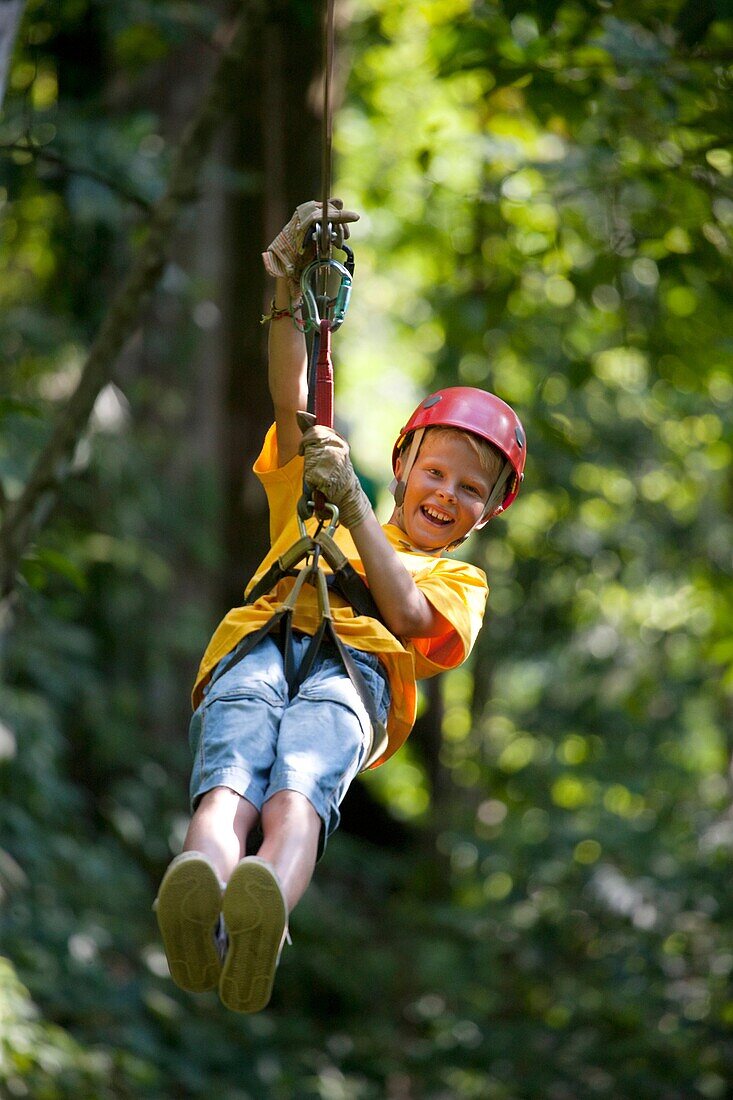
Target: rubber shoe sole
{"x":256,"y":917}
{"x":187,"y":908}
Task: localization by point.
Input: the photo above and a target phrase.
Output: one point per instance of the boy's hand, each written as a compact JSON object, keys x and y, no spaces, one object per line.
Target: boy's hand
{"x":328,"y":468}
{"x":288,"y":254}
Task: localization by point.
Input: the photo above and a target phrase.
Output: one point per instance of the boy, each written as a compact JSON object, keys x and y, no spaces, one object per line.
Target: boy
{"x":265,"y":755}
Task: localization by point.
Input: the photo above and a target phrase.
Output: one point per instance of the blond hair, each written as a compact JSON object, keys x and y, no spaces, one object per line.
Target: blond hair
{"x":490,"y":457}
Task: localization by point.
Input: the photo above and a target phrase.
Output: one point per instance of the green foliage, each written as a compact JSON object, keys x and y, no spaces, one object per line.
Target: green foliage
{"x":40,"y":1059}
{"x":546,"y":191}
{"x":567,"y":242}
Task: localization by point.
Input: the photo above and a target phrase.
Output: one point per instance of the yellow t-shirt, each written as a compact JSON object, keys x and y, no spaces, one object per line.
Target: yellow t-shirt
{"x":456,"y":589}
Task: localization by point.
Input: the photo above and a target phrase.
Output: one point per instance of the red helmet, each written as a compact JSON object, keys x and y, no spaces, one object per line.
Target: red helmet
{"x":476,"y":411}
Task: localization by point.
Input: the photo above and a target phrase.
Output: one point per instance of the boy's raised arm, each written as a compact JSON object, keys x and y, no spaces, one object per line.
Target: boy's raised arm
{"x":287,"y":375}
{"x":285,"y":259}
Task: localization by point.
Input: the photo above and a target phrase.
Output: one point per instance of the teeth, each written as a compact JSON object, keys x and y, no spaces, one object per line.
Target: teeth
{"x":440,"y":516}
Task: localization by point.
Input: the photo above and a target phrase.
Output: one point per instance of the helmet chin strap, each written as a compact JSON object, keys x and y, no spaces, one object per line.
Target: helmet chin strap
{"x":397,"y":488}
{"x":498,"y":492}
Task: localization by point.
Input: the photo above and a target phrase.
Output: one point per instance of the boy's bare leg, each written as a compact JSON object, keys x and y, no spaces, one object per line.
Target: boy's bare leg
{"x":219,"y":828}
{"x":291,"y":830}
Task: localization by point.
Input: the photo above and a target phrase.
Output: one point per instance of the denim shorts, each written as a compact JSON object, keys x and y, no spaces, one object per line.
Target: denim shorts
{"x":249,"y":735}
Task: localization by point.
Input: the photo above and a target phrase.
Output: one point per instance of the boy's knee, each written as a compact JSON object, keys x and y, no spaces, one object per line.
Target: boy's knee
{"x":219,"y":796}
{"x":289,"y":802}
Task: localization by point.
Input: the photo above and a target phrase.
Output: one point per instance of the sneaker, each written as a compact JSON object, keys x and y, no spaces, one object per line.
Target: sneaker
{"x":256,"y":918}
{"x":188,"y":908}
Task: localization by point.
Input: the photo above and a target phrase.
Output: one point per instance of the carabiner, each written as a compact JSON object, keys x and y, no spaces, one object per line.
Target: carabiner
{"x":334,"y":521}
{"x":349,"y":264}
{"x":336,"y":306}
{"x":305,"y":510}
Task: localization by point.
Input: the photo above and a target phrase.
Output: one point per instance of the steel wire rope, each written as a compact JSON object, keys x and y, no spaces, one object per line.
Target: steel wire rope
{"x":327,"y":126}
{"x":323,"y":234}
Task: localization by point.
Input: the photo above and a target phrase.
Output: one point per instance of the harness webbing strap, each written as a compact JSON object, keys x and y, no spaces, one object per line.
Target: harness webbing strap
{"x":344,"y":577}
{"x":346,"y":580}
{"x":281,"y":567}
{"x":379,"y":738}
{"x":350,"y":585}
{"x":282,"y":621}
{"x":253,"y":639}
{"x":306,"y":662}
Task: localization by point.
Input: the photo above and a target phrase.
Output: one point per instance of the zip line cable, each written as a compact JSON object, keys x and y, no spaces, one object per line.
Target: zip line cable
{"x":324,"y":368}
{"x":324,"y":243}
{"x":319,"y":304}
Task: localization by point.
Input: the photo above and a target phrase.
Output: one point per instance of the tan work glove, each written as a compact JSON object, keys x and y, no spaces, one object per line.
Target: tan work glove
{"x":289,"y":253}
{"x":328,"y":468}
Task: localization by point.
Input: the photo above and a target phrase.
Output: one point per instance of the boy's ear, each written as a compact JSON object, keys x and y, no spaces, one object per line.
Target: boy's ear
{"x":397,"y":486}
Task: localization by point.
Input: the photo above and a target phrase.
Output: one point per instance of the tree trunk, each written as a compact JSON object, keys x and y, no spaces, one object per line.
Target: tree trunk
{"x":10,"y":13}
{"x":23,"y":516}
{"x":276,"y":145}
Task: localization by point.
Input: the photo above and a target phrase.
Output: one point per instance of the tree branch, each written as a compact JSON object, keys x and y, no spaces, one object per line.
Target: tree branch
{"x":21,"y":519}
{"x":42,"y":153}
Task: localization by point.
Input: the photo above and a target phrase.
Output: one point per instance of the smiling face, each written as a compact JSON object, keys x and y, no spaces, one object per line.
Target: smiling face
{"x":446,"y":494}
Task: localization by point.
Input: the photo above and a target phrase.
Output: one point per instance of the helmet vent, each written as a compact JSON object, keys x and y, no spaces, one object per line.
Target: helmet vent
{"x":519,"y":437}
{"x":430,"y":401}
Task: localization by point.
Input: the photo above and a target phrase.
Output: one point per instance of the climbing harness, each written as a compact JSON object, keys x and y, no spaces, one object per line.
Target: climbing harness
{"x":326,"y":289}
{"x":309,"y":549}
